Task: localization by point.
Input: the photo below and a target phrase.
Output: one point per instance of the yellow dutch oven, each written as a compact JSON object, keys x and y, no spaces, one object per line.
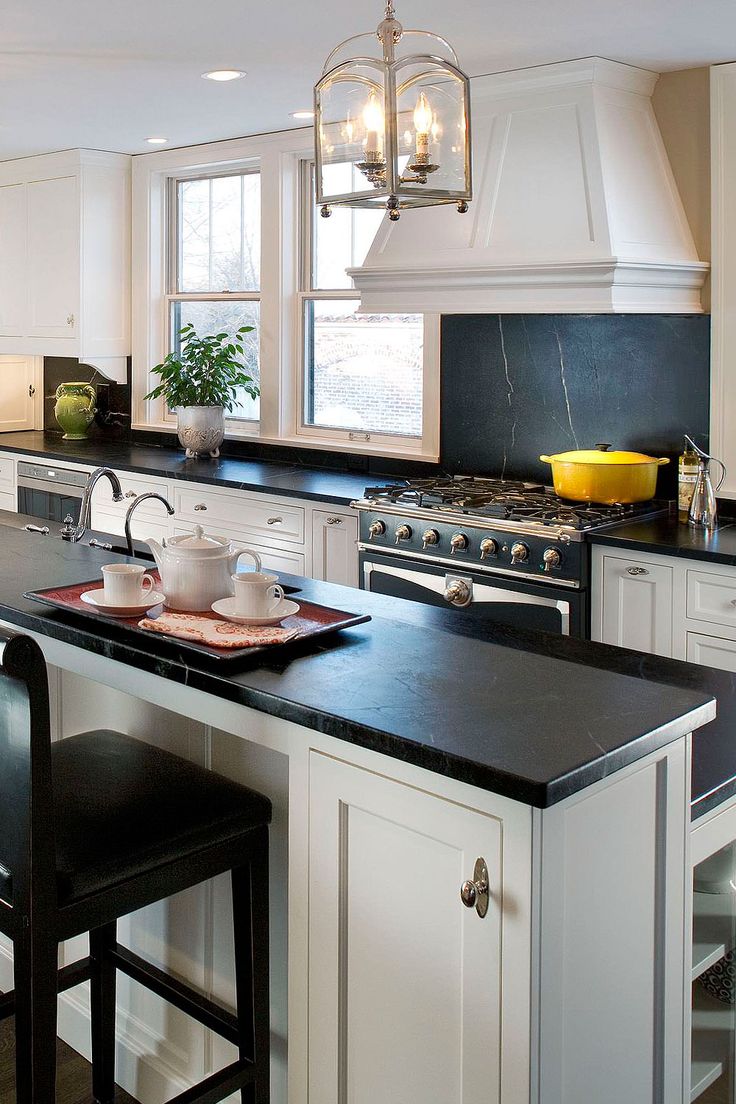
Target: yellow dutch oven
{"x":597,"y":475}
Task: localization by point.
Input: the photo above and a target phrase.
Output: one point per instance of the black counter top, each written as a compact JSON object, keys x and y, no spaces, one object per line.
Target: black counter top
{"x":291,"y":480}
{"x":667,"y":536}
{"x":504,"y":713}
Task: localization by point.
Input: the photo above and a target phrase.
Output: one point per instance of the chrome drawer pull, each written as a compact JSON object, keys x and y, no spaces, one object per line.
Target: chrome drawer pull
{"x":200,"y":506}
{"x":131,"y":494}
{"x":637,"y":570}
{"x":334,"y":521}
{"x":275,"y":521}
{"x":733,"y":600}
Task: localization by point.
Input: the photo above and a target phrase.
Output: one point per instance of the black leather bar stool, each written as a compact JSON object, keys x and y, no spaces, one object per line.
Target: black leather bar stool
{"x":92,"y":828}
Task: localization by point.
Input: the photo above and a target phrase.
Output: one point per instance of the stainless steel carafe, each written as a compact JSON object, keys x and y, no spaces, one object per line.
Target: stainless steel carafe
{"x":703,"y":511}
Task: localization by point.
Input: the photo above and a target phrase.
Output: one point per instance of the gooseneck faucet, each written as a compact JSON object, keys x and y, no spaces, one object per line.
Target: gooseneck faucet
{"x":74,"y":533}
{"x":133,"y":507}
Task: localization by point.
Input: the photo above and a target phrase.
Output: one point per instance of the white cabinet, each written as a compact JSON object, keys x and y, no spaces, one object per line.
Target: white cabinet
{"x":712,"y":651}
{"x":65,"y":258}
{"x":334,"y":552}
{"x":14,"y":260}
{"x":723,"y":282}
{"x":17,"y":390}
{"x":635,"y":604}
{"x":405,"y":988}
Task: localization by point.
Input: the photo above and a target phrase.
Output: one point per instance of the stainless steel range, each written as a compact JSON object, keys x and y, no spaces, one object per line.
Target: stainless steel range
{"x":508,"y":551}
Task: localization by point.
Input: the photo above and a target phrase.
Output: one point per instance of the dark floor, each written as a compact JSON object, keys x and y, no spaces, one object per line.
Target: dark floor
{"x":73,"y":1074}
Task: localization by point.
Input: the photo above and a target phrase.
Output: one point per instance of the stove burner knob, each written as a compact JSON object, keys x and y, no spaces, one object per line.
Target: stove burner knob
{"x":430,"y":536}
{"x":458,"y":543}
{"x":551,"y":558}
{"x":403,"y":533}
{"x":376,"y":529}
{"x":519,"y":553}
{"x":488,"y":547}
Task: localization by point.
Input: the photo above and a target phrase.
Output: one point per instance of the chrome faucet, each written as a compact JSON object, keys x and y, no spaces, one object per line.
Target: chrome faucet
{"x":132,"y":508}
{"x":74,"y":533}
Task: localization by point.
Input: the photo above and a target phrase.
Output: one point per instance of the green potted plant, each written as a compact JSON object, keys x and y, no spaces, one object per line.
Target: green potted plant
{"x":200,"y":382}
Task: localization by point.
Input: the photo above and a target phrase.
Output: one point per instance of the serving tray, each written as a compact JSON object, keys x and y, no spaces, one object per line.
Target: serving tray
{"x":311,"y":621}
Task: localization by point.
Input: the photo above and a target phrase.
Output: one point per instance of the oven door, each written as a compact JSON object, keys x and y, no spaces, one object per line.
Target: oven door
{"x":48,"y":493}
{"x":485,"y":597}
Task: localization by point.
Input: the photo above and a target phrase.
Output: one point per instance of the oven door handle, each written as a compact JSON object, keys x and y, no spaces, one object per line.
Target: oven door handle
{"x":480,"y":593}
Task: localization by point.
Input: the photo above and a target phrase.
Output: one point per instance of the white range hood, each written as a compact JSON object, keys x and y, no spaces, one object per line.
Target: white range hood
{"x":575,"y":207}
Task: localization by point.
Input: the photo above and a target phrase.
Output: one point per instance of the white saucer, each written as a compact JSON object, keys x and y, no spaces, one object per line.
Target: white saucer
{"x":95,"y":599}
{"x":226,"y":608}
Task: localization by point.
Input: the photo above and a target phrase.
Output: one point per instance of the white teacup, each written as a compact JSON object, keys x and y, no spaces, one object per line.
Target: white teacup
{"x":126,"y":584}
{"x":256,"y":594}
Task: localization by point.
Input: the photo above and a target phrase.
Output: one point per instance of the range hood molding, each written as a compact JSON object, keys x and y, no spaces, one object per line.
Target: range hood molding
{"x":575,"y":210}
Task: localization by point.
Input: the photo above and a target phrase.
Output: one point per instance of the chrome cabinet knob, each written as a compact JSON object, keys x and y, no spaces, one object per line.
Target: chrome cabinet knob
{"x":551,"y":558}
{"x":458,"y":592}
{"x":430,"y":536}
{"x":458,"y":543}
{"x":376,"y":529}
{"x":519,"y":553}
{"x":637,"y":571}
{"x":488,"y":547}
{"x":330,"y":521}
{"x":280,"y":520}
{"x":130,"y":494}
{"x":474,"y":892}
{"x":199,"y":506}
{"x":403,"y":533}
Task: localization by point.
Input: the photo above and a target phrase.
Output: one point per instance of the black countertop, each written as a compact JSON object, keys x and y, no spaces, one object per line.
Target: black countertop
{"x":505,"y":713}
{"x":667,"y":536}
{"x":291,"y":480}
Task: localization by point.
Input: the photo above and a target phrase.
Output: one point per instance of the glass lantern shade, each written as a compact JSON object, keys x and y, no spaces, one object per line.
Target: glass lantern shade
{"x":392,"y":130}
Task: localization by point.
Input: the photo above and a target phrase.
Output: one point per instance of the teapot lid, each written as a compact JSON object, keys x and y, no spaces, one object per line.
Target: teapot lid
{"x":199,"y":542}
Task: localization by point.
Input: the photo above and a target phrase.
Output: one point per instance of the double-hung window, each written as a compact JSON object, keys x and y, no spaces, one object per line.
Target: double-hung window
{"x":363,"y":376}
{"x":214,"y":266}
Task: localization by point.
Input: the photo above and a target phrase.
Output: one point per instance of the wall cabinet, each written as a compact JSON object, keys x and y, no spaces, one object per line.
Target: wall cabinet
{"x":65,"y":258}
{"x":20,"y":378}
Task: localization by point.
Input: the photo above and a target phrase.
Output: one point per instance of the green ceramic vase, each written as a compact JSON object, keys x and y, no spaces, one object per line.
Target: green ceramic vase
{"x":75,"y":408}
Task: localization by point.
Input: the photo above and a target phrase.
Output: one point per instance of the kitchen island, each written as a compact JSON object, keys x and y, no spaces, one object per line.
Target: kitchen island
{"x":396,"y":755}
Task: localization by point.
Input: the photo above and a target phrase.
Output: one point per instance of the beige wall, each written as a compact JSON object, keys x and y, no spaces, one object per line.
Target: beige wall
{"x":682,"y":106}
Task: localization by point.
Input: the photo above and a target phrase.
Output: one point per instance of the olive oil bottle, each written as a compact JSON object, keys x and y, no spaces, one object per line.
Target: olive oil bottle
{"x":687,"y":474}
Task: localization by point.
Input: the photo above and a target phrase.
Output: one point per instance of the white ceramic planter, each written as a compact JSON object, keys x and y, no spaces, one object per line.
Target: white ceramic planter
{"x":201,"y":429}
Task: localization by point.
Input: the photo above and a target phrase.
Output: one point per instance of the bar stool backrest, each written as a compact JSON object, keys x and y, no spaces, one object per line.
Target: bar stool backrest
{"x":26,"y":799}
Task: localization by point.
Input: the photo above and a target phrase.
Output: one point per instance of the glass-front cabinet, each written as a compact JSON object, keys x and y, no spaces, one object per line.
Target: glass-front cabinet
{"x":713,"y":974}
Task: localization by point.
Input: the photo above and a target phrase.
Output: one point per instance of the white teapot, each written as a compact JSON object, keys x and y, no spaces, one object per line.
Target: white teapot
{"x":196,"y":569}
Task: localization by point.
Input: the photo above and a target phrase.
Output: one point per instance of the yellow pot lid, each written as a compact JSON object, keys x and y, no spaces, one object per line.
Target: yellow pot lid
{"x":600,"y":455}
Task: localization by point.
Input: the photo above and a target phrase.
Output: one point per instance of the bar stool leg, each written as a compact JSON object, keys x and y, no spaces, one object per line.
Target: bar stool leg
{"x":35,"y":960}
{"x":102,"y":1010}
{"x":250,"y":927}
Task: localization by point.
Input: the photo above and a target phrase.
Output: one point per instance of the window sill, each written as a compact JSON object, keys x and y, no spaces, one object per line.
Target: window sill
{"x":323,"y":444}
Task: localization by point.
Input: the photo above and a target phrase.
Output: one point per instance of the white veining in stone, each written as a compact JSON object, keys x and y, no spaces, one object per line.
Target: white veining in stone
{"x":564,"y":389}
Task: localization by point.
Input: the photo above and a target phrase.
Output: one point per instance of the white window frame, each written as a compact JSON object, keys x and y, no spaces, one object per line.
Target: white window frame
{"x":279,"y":158}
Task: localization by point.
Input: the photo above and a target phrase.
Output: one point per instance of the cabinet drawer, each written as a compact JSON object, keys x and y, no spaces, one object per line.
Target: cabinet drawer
{"x":260,"y":516}
{"x":711,"y":597}
{"x":8,"y":501}
{"x":272,"y":559}
{"x":711,"y":651}
{"x":102,"y":496}
{"x":7,"y":472}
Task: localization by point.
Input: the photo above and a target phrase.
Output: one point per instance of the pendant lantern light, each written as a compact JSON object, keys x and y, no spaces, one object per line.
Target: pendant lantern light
{"x":392,"y":122}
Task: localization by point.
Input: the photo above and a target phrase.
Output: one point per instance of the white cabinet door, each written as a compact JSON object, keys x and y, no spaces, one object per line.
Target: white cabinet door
{"x":16,"y":393}
{"x":637,"y":604}
{"x":272,"y":559}
{"x":404,"y":981}
{"x":711,"y":651}
{"x":53,"y":257}
{"x":334,"y":552}
{"x":14,"y":263}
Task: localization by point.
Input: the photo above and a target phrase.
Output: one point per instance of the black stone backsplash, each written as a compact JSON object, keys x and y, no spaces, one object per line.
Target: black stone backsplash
{"x":113,"y":399}
{"x":516,"y":385}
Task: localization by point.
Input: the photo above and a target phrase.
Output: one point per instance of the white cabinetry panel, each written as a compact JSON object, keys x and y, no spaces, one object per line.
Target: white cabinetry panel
{"x":712,"y":651}
{"x":637,"y":605}
{"x":53,"y":257}
{"x":272,"y":558}
{"x":264,"y":517}
{"x":711,"y":597}
{"x":14,"y":266}
{"x":17,"y":376}
{"x":405,"y":993}
{"x":334,"y":552}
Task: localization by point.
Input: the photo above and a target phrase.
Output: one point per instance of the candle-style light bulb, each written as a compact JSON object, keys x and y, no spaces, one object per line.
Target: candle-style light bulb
{"x":422,"y":123}
{"x":373,"y":122}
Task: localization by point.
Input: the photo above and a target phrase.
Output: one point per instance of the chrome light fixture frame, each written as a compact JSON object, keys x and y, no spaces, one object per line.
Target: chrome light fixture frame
{"x":389,"y":183}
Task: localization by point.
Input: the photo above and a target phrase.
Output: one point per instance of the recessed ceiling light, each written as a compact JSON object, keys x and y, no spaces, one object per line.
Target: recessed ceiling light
{"x":302,"y":114}
{"x":157,"y":141}
{"x":224,"y":74}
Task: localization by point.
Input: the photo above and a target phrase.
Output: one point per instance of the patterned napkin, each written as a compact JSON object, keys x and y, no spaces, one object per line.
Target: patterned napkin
{"x":214,"y":632}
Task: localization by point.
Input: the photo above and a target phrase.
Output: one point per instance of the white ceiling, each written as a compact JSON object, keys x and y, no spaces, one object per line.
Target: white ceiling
{"x":108,"y":74}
